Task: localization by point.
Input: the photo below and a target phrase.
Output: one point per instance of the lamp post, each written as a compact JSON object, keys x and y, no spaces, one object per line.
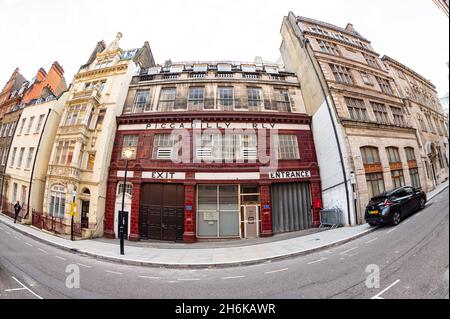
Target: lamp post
{"x":127,"y":154}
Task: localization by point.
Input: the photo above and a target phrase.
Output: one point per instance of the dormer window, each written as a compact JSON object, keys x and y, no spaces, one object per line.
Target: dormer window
{"x":248,"y":68}
{"x":176,"y":69}
{"x":224,"y":67}
{"x":200,"y":68}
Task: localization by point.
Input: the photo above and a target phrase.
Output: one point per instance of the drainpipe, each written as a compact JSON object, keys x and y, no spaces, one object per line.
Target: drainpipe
{"x":344,"y":173}
{"x":34,"y":163}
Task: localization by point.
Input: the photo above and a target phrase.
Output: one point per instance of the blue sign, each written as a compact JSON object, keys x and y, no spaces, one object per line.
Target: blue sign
{"x":266,"y":207}
{"x":189,"y":208}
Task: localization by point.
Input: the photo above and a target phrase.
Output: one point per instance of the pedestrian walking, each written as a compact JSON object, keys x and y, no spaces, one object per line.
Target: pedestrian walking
{"x":17,"y":209}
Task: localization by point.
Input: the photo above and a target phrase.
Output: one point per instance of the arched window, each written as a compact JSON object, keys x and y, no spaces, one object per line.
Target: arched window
{"x":86,"y":191}
{"x":370,"y":155}
{"x":410,"y":154}
{"x":393,"y":155}
{"x":128,"y":189}
{"x":57,"y":202}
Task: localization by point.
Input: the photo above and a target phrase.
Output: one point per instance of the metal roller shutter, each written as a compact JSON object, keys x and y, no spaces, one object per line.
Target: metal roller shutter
{"x":291,"y":207}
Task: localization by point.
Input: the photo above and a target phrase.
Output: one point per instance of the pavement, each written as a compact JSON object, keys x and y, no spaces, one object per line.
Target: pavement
{"x":204,"y":255}
{"x":409,"y":261}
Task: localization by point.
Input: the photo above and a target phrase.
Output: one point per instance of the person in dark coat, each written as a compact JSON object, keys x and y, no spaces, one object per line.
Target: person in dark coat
{"x":17,"y":209}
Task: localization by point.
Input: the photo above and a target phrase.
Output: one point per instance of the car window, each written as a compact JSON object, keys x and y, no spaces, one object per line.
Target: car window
{"x":409,"y":191}
{"x":399,"y":194}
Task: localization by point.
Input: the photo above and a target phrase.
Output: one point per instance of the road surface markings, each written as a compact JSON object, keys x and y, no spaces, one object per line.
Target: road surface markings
{"x":317,"y":261}
{"x":276,"y":271}
{"x":371,"y":241}
{"x":8,"y":233}
{"x":28,"y":244}
{"x":379,"y":295}
{"x":61,"y":258}
{"x":148,"y":277}
{"x":406,"y":222}
{"x":26,"y":288}
{"x":16,"y":237}
{"x":392,"y":230}
{"x":235,"y":277}
{"x":113,"y":272}
{"x":43,"y":251}
{"x":188,"y":279}
{"x":347,"y":251}
{"x":85,"y":266}
{"x":15,"y":289}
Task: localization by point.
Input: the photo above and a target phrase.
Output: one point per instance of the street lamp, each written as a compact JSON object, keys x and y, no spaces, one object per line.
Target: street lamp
{"x":127,"y":154}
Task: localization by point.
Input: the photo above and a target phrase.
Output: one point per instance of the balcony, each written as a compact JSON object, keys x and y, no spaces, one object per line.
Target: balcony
{"x":73,"y":130}
{"x":86,"y":96}
{"x":64,"y":172}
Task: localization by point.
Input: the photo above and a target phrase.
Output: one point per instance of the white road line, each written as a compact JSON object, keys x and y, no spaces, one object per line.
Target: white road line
{"x":276,"y":271}
{"x":317,"y":261}
{"x":406,"y":222}
{"x":188,"y":279}
{"x":43,"y":251}
{"x":15,"y":289}
{"x":347,"y":251}
{"x":16,"y":237}
{"x":8,"y":233}
{"x":371,"y":241}
{"x":61,"y":258}
{"x":35,"y":294}
{"x":113,"y":272}
{"x":392,"y":230}
{"x":85,"y":266}
{"x":28,"y":244}
{"x":235,"y":277}
{"x":148,"y":277}
{"x":378,"y":296}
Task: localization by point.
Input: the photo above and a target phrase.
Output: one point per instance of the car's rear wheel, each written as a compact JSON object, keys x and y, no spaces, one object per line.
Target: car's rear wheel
{"x":397,"y":218}
{"x":423,"y":202}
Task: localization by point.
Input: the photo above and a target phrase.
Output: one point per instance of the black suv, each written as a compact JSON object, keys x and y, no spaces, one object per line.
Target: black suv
{"x":391,"y":207}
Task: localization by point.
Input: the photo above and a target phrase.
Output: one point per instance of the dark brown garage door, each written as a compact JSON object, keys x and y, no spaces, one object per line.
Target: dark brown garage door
{"x":162,"y":212}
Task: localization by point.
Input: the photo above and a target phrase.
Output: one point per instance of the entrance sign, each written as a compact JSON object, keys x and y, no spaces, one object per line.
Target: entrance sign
{"x":290,"y":175}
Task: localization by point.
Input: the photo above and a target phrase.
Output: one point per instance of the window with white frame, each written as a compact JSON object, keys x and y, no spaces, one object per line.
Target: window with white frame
{"x":30,"y":125}
{"x":39,"y":124}
{"x":287,"y":147}
{"x":30,"y":157}
{"x":167,"y":99}
{"x":1,"y":155}
{"x":141,"y":101}
{"x":21,"y":153}
{"x":165,"y":147}
{"x":22,"y":125}
{"x":5,"y":156}
{"x":64,"y":152}
{"x":130,"y":142}
{"x":57,"y":201}
{"x":128,"y":189}
{"x":342,"y":74}
{"x":255,"y":101}
{"x":226,"y":97}
{"x":2,"y":130}
{"x":196,"y":97}
{"x":208,"y":146}
{"x":13,"y":157}
{"x":11,"y":130}
{"x":75,"y":115}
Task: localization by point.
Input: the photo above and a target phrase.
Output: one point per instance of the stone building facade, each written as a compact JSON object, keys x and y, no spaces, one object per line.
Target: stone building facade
{"x":81,"y":152}
{"x":221,"y":150}
{"x":365,"y":134}
{"x":429,"y":119}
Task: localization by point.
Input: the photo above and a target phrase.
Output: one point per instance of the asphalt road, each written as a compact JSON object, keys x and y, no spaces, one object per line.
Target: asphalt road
{"x":412,"y":260}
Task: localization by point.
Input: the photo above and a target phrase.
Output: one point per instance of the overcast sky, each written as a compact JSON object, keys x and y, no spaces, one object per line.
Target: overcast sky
{"x":34,"y":33}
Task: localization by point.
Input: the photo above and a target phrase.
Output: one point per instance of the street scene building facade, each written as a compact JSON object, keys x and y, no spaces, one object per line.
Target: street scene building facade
{"x":81,"y":152}
{"x":44,"y":87}
{"x":221,"y":150}
{"x":365,"y":132}
{"x":430,"y":121}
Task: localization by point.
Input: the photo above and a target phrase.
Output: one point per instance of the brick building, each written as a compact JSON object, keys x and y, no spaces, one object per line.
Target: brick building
{"x":221,"y":150}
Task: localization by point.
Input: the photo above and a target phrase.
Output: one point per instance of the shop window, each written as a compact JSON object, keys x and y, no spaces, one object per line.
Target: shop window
{"x":57,"y":202}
